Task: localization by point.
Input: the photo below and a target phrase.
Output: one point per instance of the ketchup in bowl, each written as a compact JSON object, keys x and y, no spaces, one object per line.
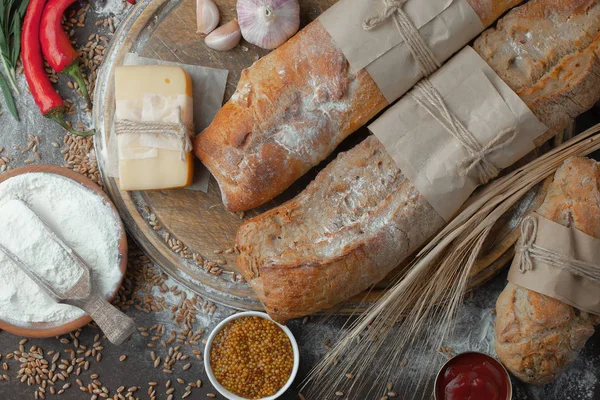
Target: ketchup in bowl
{"x":473,"y":376}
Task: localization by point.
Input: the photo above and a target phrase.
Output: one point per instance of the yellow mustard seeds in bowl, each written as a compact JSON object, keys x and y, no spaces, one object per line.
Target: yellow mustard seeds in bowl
{"x":251,"y":357}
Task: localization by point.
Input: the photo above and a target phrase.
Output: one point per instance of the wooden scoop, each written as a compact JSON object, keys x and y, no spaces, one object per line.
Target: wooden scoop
{"x":83,"y":294}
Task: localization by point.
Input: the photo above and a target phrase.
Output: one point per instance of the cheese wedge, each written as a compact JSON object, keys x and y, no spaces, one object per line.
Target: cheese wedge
{"x":153,"y":93}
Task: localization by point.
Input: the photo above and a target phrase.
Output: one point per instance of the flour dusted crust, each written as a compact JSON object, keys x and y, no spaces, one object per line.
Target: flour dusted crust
{"x":548,"y":52}
{"x":340,"y":236}
{"x":290,"y":111}
{"x":301,"y":258}
{"x":538,"y":337}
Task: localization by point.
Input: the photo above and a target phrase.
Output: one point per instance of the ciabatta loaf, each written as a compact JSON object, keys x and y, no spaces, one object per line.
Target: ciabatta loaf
{"x":290,"y":111}
{"x":361,"y":217}
{"x":538,"y":337}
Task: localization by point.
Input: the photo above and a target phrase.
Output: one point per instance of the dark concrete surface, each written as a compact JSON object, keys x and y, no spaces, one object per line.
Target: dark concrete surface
{"x":579,"y":383}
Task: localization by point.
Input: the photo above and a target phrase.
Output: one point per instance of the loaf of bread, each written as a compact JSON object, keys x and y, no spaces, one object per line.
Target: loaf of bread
{"x":290,"y":111}
{"x":361,"y":217}
{"x":538,"y":337}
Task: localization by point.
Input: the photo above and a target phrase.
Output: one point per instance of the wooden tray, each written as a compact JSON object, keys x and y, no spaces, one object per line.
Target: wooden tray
{"x":39,"y":330}
{"x":180,"y":229}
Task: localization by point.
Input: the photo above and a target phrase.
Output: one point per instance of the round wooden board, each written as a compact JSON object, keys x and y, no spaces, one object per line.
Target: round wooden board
{"x":181,"y":229}
{"x":45,"y":330}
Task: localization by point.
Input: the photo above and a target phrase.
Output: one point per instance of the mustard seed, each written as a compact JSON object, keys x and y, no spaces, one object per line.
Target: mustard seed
{"x":252,"y":357}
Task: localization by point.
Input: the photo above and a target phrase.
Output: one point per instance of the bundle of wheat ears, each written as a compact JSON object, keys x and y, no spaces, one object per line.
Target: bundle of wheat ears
{"x":417,"y":314}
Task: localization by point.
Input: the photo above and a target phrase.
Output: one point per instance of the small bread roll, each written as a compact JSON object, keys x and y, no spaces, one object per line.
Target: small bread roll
{"x":538,"y":337}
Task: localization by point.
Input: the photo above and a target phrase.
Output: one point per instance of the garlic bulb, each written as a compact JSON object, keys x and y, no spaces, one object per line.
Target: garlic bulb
{"x":225,"y":37}
{"x":268,"y":23}
{"x":207,"y":16}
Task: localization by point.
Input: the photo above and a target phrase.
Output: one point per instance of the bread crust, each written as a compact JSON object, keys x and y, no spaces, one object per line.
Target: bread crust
{"x":290,"y":111}
{"x":300,"y":259}
{"x":538,"y":337}
{"x":390,"y":219}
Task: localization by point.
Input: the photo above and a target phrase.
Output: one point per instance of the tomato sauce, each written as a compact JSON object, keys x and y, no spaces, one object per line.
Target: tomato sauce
{"x":472,"y":376}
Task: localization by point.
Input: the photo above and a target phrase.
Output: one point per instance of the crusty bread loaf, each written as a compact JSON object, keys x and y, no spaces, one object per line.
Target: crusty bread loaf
{"x":360,"y":217}
{"x":538,"y":337}
{"x":290,"y":111}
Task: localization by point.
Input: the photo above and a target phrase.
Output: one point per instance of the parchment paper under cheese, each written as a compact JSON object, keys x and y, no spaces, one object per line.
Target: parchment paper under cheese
{"x":426,"y":152}
{"x":446,"y":26}
{"x":208,"y":90}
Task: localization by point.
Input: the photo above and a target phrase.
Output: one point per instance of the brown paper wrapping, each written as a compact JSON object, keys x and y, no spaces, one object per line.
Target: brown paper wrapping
{"x":559,"y":284}
{"x":446,"y":26}
{"x":430,"y":157}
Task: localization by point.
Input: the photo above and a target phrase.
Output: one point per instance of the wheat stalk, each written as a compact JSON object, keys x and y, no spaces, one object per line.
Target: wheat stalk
{"x":416,"y":315}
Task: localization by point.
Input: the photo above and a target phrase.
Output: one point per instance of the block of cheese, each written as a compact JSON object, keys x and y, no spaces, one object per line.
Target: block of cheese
{"x":153,"y":93}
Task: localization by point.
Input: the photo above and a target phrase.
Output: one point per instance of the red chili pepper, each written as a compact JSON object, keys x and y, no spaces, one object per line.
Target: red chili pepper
{"x":131,"y":1}
{"x":56,"y":45}
{"x":44,"y":94}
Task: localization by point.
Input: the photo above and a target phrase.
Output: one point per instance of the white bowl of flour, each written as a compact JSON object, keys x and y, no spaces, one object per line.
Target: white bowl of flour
{"x":83,"y":217}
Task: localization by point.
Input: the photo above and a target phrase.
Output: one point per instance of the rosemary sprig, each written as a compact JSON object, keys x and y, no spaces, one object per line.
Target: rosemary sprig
{"x":11,"y":18}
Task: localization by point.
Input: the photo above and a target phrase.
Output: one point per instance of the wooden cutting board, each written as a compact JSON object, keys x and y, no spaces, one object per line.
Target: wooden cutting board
{"x":182,"y":230}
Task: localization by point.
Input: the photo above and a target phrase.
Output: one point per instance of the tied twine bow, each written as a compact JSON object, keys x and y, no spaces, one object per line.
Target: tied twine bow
{"x":527,"y":251}
{"x":409,"y":33}
{"x":177,"y":130}
{"x":477,"y":159}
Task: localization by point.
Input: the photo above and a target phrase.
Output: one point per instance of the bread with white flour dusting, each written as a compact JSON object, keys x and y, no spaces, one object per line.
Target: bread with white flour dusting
{"x":361,"y":217}
{"x":290,"y":111}
{"x":538,"y":337}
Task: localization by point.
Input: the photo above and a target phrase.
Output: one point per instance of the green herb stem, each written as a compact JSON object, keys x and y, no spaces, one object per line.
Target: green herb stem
{"x":8,"y":97}
{"x":12,"y":13}
{"x":11,"y":75}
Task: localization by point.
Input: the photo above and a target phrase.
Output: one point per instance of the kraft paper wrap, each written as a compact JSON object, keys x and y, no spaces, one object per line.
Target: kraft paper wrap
{"x":554,"y":282}
{"x":426,"y":152}
{"x":446,"y":26}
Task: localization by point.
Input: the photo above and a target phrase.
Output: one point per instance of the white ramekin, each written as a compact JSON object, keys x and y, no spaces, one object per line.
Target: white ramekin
{"x":218,"y":328}
{"x":506,"y":375}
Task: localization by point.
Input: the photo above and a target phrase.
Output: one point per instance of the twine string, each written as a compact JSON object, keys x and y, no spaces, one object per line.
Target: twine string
{"x":527,"y":251}
{"x":419,"y":49}
{"x":177,"y":130}
{"x":432,"y":101}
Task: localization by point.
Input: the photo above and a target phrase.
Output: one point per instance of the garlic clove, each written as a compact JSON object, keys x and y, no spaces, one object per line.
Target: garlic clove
{"x":207,"y":16}
{"x":268,"y":23}
{"x":225,"y":37}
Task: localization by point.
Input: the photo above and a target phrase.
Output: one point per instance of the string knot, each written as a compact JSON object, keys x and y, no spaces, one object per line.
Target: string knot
{"x":478,"y":158}
{"x":177,"y":130}
{"x":391,"y":7}
{"x":431,"y":100}
{"x":409,"y":33}
{"x":528,"y":250}
{"x":523,"y":249}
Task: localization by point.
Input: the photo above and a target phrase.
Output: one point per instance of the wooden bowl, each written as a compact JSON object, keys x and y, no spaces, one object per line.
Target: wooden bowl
{"x":44,"y":330}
